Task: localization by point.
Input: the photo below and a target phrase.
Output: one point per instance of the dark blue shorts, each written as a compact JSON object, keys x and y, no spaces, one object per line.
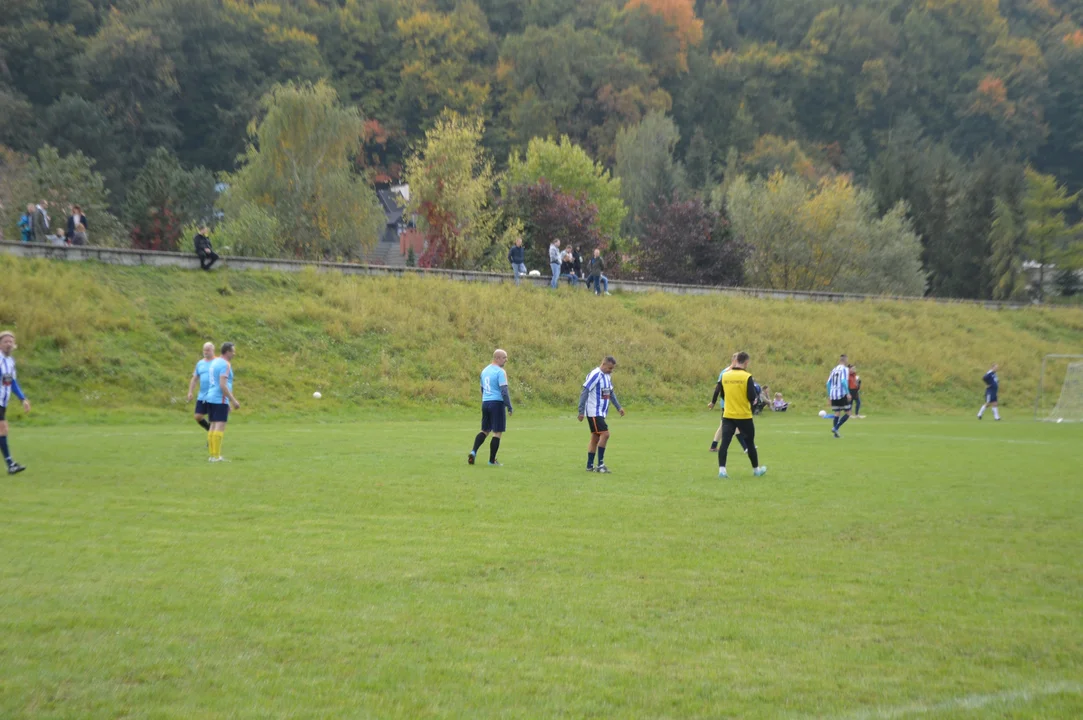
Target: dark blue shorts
{"x":990,"y":395}
{"x":202,"y":408}
{"x":493,"y":416}
{"x":218,"y":412}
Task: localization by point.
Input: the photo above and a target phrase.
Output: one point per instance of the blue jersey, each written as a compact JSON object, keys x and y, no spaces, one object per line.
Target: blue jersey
{"x":219,"y":368}
{"x":493,"y":378}
{"x":992,"y":384}
{"x":722,"y":402}
{"x":203,"y":372}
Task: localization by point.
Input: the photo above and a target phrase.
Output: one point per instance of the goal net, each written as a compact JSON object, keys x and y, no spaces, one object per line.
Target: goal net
{"x":1060,"y":389}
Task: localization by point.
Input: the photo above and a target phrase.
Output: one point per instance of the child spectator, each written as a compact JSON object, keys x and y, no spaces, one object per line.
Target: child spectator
{"x":26,"y":224}
{"x":79,"y":236}
{"x":779,"y":405}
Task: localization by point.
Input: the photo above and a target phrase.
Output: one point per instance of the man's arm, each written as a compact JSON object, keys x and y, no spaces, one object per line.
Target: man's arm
{"x":19,"y":394}
{"x":717,"y":393}
{"x":751,"y":391}
{"x":616,"y":403}
{"x":583,"y":401}
{"x":192,"y":385}
{"x":226,"y":392}
{"x":506,"y":397}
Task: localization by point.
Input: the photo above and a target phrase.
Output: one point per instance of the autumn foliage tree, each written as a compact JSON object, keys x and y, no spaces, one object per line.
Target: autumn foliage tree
{"x":688,"y":242}
{"x":548,"y":214}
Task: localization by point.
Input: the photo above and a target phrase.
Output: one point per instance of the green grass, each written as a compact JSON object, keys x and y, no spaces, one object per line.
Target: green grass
{"x":919,"y":567}
{"x":102,"y":343}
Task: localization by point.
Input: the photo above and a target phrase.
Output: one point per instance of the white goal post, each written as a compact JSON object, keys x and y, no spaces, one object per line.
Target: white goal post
{"x":1060,"y":389}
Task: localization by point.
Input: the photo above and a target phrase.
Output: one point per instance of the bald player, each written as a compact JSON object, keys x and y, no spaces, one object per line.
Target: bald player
{"x":202,"y":375}
{"x":494,"y":401}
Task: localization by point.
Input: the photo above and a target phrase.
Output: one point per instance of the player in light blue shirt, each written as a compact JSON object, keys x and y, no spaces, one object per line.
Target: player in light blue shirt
{"x":202,"y":375}
{"x":494,"y":401}
{"x":219,"y":398}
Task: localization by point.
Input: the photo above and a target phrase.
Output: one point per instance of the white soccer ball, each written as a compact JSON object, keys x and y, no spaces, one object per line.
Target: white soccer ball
{"x":1060,"y":420}
{"x":317,"y":395}
{"x":823,"y":413}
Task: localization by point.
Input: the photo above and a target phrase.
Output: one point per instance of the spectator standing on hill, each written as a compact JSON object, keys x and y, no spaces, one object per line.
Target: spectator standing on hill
{"x":40,"y":224}
{"x":8,"y":385}
{"x":74,"y":220}
{"x":838,"y":391}
{"x":207,"y":255}
{"x":517,"y":258}
{"x":855,"y":390}
{"x":554,"y":263}
{"x":577,"y":263}
{"x":26,"y":224}
{"x":992,"y":387}
{"x":738,"y":393}
{"x":597,"y":278}
{"x":594,"y":404}
{"x":494,"y":401}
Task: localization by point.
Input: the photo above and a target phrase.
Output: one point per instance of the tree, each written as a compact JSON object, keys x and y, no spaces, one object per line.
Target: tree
{"x":569,"y":169}
{"x":164,"y":198}
{"x":71,"y":180}
{"x":824,"y":238}
{"x":548,"y":214}
{"x":451,"y":184}
{"x":648,"y":173}
{"x":687,"y":242}
{"x":1047,"y":235}
{"x":1006,"y":262}
{"x":298,"y":169}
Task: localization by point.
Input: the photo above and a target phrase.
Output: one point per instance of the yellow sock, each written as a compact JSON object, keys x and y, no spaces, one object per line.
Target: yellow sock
{"x":210,"y":442}
{"x":218,"y":445}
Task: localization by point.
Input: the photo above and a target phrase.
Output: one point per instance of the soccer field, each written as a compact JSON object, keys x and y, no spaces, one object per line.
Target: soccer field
{"x":918,"y":567}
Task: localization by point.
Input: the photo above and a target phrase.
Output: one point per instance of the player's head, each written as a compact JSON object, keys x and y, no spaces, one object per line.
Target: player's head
{"x":994,"y":367}
{"x":499,"y":357}
{"x":7,"y":342}
{"x":843,"y":360}
{"x":741,"y":359}
{"x":228,"y":351}
{"x":208,"y":351}
{"x":608,"y":364}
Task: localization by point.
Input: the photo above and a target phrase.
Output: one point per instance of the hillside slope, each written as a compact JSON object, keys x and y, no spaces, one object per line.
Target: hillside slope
{"x":102,"y":342}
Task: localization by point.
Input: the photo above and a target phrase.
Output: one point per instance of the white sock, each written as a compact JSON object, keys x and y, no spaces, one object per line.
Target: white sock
{"x":982,"y":411}
{"x":996,"y":413}
{"x":721,"y":469}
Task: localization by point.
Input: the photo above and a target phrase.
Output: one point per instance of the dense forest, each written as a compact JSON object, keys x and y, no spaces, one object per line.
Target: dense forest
{"x":901,"y":146}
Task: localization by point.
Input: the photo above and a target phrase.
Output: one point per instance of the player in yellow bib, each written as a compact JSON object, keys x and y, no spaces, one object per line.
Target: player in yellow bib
{"x":738,"y":394}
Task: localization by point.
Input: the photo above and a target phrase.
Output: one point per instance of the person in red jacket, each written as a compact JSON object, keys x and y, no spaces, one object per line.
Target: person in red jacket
{"x":855,"y":390}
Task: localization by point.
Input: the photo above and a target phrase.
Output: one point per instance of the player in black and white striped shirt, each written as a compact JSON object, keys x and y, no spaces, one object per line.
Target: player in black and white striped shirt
{"x":838,"y":391}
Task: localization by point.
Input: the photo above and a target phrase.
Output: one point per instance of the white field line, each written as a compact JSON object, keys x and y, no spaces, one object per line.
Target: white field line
{"x":1010,"y":441}
{"x":967,"y":702}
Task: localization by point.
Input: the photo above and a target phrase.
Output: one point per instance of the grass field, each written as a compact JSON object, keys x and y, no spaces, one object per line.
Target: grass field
{"x":918,"y":567}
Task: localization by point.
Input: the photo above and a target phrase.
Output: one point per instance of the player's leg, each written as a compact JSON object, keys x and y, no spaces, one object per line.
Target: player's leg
{"x":748,"y":429}
{"x":717,"y":437}
{"x":996,"y":410}
{"x":13,"y":467}
{"x":741,"y":439}
{"x":592,"y":447}
{"x":603,"y":438}
{"x":486,"y":428}
{"x":981,"y":410}
{"x":728,"y":429}
{"x":857,"y":402}
{"x":500,"y":424}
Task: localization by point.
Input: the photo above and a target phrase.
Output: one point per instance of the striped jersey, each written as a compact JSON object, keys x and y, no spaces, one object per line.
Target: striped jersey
{"x":7,"y":378}
{"x":599,"y":388}
{"x":838,"y":383}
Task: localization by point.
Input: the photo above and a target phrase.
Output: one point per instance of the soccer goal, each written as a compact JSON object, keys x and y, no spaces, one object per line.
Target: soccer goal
{"x":1060,"y":389}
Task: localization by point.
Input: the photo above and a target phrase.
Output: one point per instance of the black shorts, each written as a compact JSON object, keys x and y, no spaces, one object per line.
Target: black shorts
{"x":218,"y":412}
{"x":990,"y":396}
{"x":3,"y":413}
{"x":597,"y":425}
{"x":841,"y":404}
{"x":493,"y":416}
{"x":202,"y":408}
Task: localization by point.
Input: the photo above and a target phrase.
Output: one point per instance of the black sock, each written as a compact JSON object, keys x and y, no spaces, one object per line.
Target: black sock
{"x":741,"y":439}
{"x":754,"y":456}
{"x":601,"y":456}
{"x":714,"y":444}
{"x":590,"y":460}
{"x":478,"y":441}
{"x":494,"y":445}
{"x":4,"y":449}
{"x":842,"y":421}
{"x":204,"y":424}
